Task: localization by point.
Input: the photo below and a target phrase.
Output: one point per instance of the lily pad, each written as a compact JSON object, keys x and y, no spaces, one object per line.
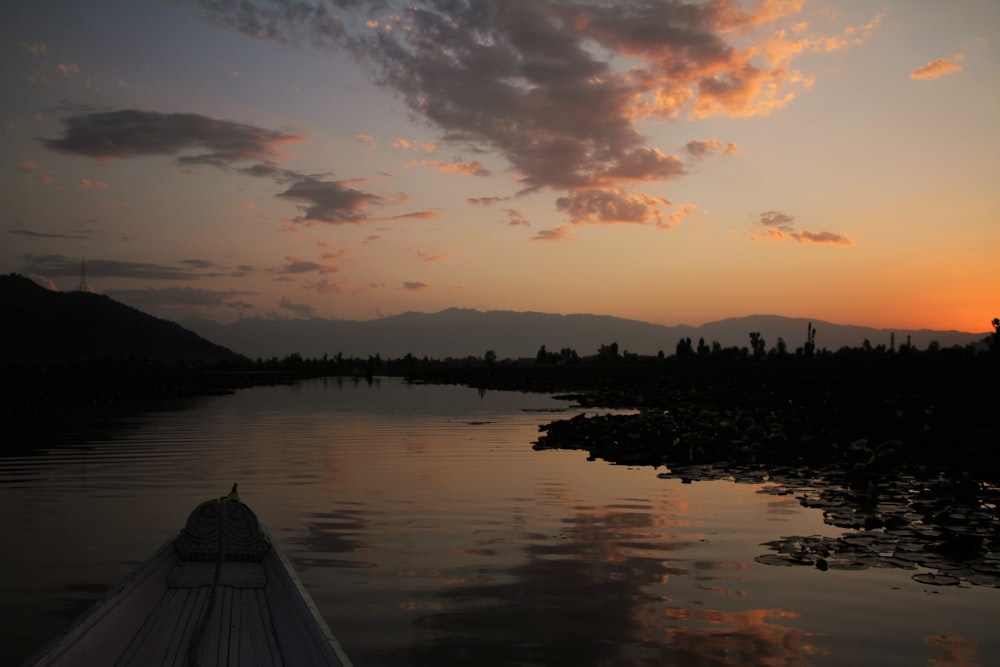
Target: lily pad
{"x":936,"y":579}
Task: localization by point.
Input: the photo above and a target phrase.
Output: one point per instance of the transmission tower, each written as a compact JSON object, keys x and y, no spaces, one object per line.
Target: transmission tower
{"x":83,"y":276}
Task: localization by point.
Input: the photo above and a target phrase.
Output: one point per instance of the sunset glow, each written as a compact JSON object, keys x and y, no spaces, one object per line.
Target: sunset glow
{"x":673,"y":161}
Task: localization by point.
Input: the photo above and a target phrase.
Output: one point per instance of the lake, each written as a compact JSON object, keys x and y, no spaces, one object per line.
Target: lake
{"x":429,"y":532}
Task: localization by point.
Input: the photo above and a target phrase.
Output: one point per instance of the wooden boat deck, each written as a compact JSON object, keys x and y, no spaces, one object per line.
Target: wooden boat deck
{"x":260,"y":616}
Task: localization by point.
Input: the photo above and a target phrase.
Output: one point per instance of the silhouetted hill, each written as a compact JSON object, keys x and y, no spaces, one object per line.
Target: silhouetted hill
{"x":458,"y":333}
{"x":46,"y":328}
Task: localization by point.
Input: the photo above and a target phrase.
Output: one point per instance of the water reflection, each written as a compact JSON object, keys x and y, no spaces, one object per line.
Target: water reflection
{"x":429,"y":532}
{"x":595,"y":593}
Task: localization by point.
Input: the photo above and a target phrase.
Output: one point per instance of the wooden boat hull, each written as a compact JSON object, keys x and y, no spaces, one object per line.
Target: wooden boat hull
{"x":258,"y":613}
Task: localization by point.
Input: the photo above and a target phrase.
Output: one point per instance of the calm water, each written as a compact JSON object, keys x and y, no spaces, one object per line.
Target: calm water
{"x":430,"y":533}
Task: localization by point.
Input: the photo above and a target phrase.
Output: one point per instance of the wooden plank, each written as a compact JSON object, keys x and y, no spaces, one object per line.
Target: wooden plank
{"x":302,"y":634}
{"x":189,"y":618}
{"x":151,"y":643}
{"x":119,"y":616}
{"x":240,"y":575}
{"x":269,"y":634}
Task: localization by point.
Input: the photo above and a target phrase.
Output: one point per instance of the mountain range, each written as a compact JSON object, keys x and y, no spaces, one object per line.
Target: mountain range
{"x":41,"y":327}
{"x":459,"y":333}
{"x":46,"y":327}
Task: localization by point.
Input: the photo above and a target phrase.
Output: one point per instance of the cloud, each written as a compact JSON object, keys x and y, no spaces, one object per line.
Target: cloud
{"x":485,"y":201}
{"x":368,"y":140}
{"x":412,"y":215}
{"x":97,"y":185}
{"x":700,"y":149}
{"x":777,"y":220}
{"x":60,"y":265}
{"x":195,"y":139}
{"x":516,"y":218}
{"x":328,"y":201}
{"x":778,"y":226}
{"x":300,"y":309}
{"x":177,"y":296}
{"x":429,"y":258}
{"x":325,"y":286}
{"x":414,"y":286}
{"x":35,"y":48}
{"x":474,"y":168}
{"x":197,"y":263}
{"x":27,"y":166}
{"x":612,"y":206}
{"x":556,"y":234}
{"x":46,"y":235}
{"x":294,"y":265}
{"x":21,"y":120}
{"x":408,"y":145}
{"x":936,"y":69}
{"x":557,"y":88}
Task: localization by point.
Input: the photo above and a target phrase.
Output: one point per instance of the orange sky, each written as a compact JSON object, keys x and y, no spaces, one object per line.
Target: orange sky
{"x":670,"y":162}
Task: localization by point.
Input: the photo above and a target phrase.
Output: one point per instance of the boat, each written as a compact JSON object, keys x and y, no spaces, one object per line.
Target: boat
{"x":221,"y":592}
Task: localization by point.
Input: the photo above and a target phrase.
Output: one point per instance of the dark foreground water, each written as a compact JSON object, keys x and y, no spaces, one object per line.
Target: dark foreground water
{"x":430,"y":533}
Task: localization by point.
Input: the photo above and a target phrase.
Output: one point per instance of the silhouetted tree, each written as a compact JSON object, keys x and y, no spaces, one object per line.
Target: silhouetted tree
{"x":608,"y":353}
{"x":569,"y":355}
{"x":684,"y":349}
{"x":781,"y":348}
{"x":703,"y":349}
{"x":757,"y":344}
{"x":810,"y":345}
{"x":490,"y":357}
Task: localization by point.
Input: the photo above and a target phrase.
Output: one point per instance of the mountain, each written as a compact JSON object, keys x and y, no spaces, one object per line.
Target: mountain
{"x":458,"y":333}
{"x":42,"y":327}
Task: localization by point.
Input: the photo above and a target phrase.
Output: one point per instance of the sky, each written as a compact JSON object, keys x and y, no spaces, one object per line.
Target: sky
{"x":671,"y":161}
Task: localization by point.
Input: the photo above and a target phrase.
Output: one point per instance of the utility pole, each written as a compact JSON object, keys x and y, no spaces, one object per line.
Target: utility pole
{"x":83,"y":276}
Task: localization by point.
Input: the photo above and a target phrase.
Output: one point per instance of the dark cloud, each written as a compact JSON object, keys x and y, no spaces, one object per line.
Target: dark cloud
{"x":197,"y":139}
{"x":130,"y":133}
{"x":178,"y":296}
{"x":556,"y":234}
{"x":485,"y":201}
{"x":700,"y":149}
{"x":821,"y":237}
{"x":612,"y":206}
{"x":197,"y":263}
{"x":300,"y":309}
{"x":516,"y":218}
{"x":294,"y":265}
{"x":778,"y":226}
{"x":777,"y":220}
{"x":555,"y":87}
{"x":46,"y":235}
{"x":60,"y":265}
{"x":328,"y":201}
{"x":413,"y":286}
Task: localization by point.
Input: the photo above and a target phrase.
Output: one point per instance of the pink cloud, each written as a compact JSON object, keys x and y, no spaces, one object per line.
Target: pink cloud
{"x":429,"y":258}
{"x":474,"y":168}
{"x":936,"y":69}
{"x":413,"y":286}
{"x":97,"y":185}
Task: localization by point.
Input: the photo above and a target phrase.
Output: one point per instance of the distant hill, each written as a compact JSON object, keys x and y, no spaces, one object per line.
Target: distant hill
{"x":42,"y":327}
{"x":458,"y":332}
